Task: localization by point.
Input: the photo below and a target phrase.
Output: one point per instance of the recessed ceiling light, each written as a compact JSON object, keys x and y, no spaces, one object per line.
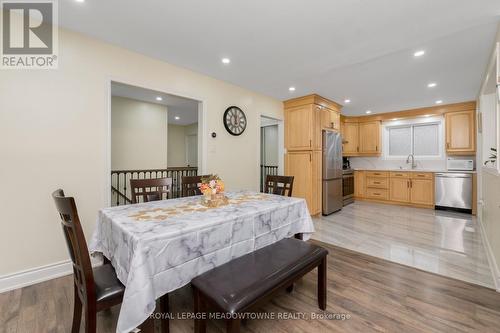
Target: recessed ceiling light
{"x":347,"y":101}
{"x":159,"y":98}
{"x":226,"y":60}
{"x":368,"y":111}
{"x":419,"y":53}
{"x":439,"y":101}
{"x":432,"y":85}
{"x":177,"y":117}
{"x":395,"y":119}
{"x":291,"y":89}
{"x":427,"y":115}
{"x":80,"y":0}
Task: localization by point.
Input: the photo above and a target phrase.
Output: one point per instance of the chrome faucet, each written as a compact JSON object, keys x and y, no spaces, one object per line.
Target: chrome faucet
{"x":413,"y":164}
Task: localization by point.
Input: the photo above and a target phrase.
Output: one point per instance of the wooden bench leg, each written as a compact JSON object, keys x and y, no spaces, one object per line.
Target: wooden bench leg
{"x":299,"y":236}
{"x":200,"y":322}
{"x":322,"y":284}
{"x":233,"y":325}
{"x":164,"y":310}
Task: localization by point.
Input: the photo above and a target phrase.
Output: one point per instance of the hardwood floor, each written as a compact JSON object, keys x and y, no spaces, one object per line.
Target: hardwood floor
{"x":440,"y":242}
{"x":377,"y":295}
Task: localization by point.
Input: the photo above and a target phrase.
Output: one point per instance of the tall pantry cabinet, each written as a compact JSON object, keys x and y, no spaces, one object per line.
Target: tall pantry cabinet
{"x":305,"y":118}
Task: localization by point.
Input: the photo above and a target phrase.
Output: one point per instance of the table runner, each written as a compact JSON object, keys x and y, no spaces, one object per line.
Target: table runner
{"x":158,"y":247}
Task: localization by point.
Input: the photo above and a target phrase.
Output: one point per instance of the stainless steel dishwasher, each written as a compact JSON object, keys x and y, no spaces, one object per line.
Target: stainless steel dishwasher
{"x":454,"y":191}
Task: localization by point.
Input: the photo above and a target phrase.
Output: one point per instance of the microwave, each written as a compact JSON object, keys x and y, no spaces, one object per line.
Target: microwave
{"x":453,"y":164}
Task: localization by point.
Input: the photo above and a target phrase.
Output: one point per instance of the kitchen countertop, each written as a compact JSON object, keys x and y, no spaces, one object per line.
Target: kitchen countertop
{"x":410,"y":170}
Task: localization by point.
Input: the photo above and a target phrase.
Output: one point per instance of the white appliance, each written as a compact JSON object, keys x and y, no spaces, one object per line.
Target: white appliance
{"x":453,"y":164}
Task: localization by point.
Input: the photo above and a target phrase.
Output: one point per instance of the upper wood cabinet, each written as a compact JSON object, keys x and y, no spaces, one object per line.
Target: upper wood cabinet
{"x":361,"y":139}
{"x":330,"y":119}
{"x":304,"y":119}
{"x":369,"y":137}
{"x":350,"y":137}
{"x":460,"y":132}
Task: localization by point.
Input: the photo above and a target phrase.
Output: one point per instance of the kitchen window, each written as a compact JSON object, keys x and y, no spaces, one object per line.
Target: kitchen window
{"x":422,"y":138}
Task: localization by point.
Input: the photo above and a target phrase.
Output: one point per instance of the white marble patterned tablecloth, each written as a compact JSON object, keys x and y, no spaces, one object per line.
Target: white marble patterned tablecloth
{"x":160,"y":246}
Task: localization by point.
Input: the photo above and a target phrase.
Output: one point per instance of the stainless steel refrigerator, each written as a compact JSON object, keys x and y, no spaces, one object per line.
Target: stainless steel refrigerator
{"x":332,"y":172}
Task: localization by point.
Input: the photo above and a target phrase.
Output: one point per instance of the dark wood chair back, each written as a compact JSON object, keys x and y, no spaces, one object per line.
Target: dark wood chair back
{"x":190,"y":185}
{"x":77,"y":246}
{"x":280,"y":185}
{"x":150,"y":189}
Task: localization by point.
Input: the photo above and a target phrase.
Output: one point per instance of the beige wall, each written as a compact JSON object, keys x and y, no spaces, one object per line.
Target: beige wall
{"x":176,"y":145}
{"x":136,"y":125}
{"x":54,"y":132}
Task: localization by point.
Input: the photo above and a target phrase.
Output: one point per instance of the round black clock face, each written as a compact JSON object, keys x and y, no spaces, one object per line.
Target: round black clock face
{"x":235,"y":120}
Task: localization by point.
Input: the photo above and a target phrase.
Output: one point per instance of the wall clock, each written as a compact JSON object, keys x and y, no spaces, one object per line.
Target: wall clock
{"x":235,"y":120}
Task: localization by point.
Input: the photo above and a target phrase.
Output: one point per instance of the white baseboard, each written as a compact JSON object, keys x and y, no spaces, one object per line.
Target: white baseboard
{"x":40,"y":274}
{"x":35,"y":275}
{"x":491,"y":257}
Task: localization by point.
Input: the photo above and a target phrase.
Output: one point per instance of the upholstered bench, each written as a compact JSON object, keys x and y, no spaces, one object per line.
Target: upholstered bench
{"x":247,"y":281}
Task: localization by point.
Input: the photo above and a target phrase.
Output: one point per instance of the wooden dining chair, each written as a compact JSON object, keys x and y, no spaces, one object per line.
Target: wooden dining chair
{"x":95,"y":289}
{"x":190,"y":185}
{"x":280,"y":185}
{"x":150,"y":189}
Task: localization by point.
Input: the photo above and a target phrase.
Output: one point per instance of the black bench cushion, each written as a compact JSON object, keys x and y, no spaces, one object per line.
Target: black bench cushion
{"x":240,"y":282}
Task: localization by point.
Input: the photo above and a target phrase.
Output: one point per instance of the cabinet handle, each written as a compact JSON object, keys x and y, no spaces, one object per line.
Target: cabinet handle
{"x":407,"y":184}
{"x":375,"y":193}
{"x":411,"y":183}
{"x":420,"y":175}
{"x":310,"y":158}
{"x":447,"y":145}
{"x":376,"y":148}
{"x":357,"y":149}
{"x":310,"y":143}
{"x":376,"y":183}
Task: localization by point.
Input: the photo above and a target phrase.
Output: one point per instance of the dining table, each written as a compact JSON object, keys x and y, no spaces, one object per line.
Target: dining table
{"x":160,"y":246}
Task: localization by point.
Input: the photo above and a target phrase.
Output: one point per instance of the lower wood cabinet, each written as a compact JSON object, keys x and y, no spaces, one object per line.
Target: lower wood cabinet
{"x":305,"y":167}
{"x":400,"y":189}
{"x":406,"y":188}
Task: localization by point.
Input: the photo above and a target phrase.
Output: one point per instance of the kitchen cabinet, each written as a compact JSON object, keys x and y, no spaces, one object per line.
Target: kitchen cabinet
{"x":330,"y":119}
{"x":350,"y":135}
{"x":422,"y":188}
{"x":400,"y":189}
{"x":361,"y":139}
{"x":299,"y":126}
{"x":359,"y":184}
{"x":369,"y":137}
{"x":305,"y":167}
{"x":305,"y":117}
{"x":460,"y":132}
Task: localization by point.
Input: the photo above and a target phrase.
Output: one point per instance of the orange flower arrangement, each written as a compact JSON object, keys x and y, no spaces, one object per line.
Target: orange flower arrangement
{"x":211,"y":185}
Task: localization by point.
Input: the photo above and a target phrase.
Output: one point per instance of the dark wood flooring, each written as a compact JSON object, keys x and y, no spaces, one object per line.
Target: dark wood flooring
{"x":377,"y":295}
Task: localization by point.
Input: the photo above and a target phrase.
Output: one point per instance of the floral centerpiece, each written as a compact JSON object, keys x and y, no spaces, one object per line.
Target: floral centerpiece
{"x":212,"y":188}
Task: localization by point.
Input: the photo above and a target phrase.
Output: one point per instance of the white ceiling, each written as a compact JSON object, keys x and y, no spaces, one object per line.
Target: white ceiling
{"x":357,"y":49}
{"x":184,"y":108}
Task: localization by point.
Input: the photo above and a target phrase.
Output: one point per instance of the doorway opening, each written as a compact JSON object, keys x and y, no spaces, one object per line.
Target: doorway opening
{"x":153,"y":135}
{"x":271,"y":148}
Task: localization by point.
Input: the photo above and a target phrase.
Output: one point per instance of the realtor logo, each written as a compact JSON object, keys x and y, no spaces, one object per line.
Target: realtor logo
{"x":29,"y":34}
